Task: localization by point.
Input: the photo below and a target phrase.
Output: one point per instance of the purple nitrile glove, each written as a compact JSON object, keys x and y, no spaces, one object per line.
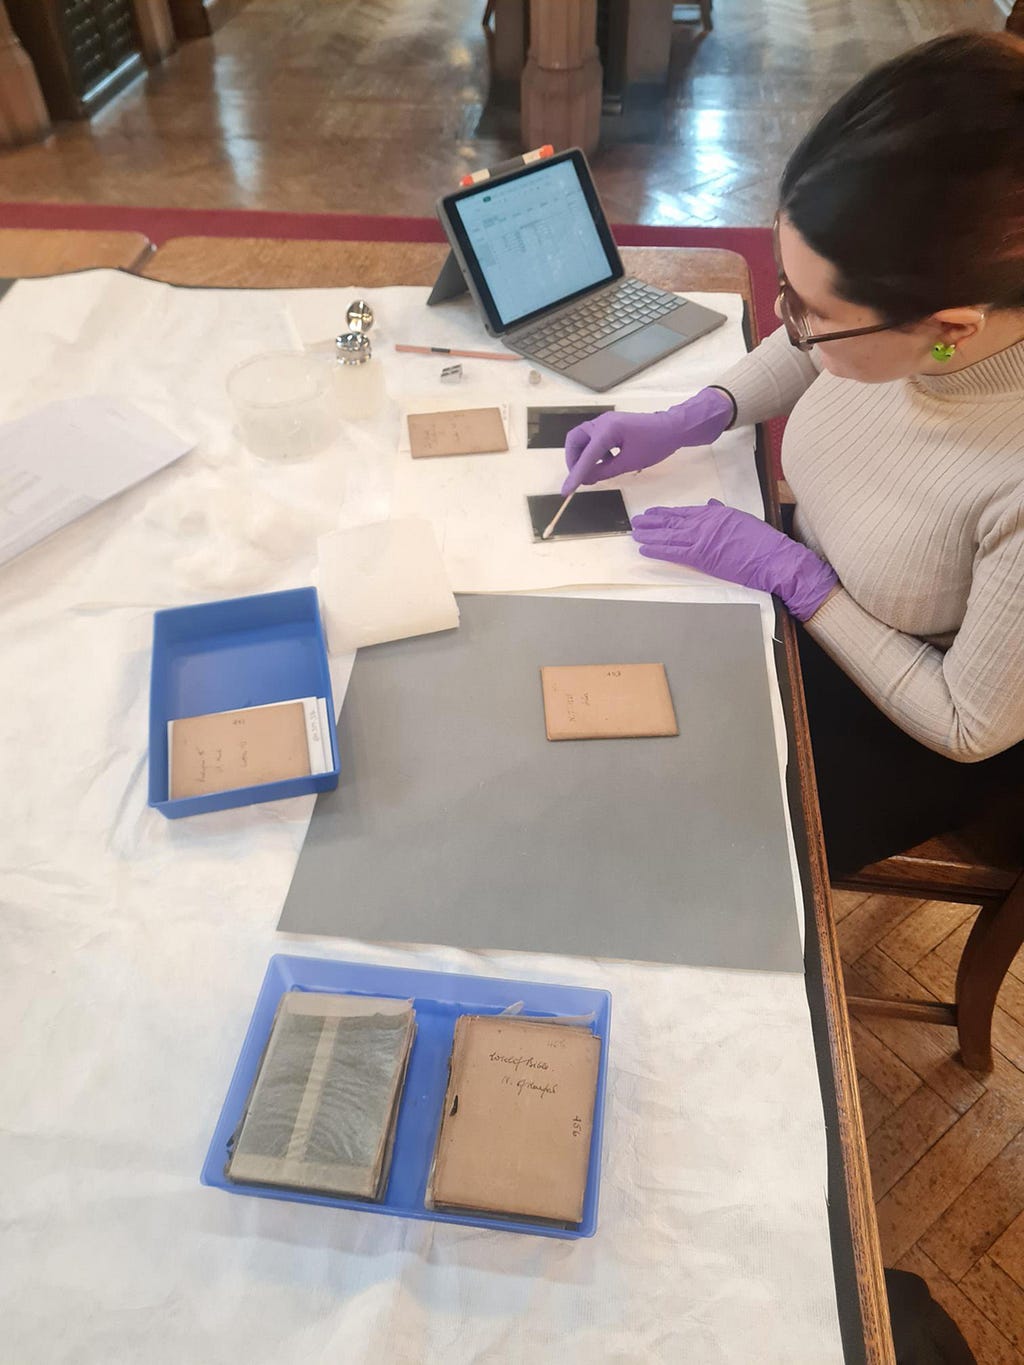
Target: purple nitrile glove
{"x":735,"y":546}
{"x":642,"y":438}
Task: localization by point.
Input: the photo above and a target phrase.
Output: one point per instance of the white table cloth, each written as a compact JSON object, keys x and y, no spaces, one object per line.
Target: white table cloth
{"x":133,"y":948}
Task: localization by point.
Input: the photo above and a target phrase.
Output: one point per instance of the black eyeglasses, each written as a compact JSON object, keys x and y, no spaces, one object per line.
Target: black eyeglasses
{"x":794,"y":312}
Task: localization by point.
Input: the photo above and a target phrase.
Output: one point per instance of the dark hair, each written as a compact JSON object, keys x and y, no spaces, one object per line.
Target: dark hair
{"x":912,"y":185}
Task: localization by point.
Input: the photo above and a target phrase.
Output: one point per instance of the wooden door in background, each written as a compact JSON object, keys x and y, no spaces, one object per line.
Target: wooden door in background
{"x":23,"y":116}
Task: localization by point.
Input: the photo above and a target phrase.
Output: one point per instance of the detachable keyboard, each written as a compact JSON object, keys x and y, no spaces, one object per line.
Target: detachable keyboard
{"x":584,"y":328}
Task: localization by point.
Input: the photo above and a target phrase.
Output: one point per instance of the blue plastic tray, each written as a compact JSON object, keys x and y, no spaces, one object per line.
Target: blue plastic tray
{"x":439,"y":998}
{"x":222,"y":656}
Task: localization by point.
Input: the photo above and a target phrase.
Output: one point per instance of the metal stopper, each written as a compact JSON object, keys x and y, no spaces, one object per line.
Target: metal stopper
{"x":359,"y":316}
{"x":352,"y":348}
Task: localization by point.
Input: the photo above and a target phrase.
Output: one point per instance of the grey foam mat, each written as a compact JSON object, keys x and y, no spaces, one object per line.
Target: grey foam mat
{"x":456,"y":821}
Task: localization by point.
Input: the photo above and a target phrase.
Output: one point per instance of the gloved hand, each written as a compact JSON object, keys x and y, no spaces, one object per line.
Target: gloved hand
{"x":738,"y":547}
{"x":642,"y":438}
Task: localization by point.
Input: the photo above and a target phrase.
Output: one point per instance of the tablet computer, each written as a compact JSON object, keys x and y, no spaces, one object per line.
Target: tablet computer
{"x":538,"y":256}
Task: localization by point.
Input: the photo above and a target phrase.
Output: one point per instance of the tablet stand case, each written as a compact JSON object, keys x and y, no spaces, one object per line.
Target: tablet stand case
{"x":451,"y":283}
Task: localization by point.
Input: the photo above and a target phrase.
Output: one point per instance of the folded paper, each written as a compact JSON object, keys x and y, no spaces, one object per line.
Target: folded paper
{"x":465,"y":431}
{"x":383,"y":581}
{"x":607,"y":701}
{"x":517,"y":1119}
{"x":225,"y":750}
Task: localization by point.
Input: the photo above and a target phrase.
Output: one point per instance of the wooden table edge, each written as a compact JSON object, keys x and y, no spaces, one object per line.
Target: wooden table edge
{"x":83,"y":249}
{"x":867,"y":1250}
{"x":226,"y":262}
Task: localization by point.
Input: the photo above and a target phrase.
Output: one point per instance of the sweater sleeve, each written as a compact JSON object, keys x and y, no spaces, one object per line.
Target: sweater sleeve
{"x":966,"y":703}
{"x":769,"y":380}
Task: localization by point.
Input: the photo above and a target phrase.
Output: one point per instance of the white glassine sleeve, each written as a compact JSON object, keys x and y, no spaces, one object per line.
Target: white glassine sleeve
{"x":383,"y":581}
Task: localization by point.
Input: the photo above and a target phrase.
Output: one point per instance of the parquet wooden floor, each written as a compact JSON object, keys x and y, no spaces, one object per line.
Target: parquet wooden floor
{"x":946,"y":1146}
{"x":377,"y":106}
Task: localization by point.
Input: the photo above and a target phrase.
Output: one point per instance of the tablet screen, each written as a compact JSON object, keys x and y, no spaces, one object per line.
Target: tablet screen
{"x":534,"y":239}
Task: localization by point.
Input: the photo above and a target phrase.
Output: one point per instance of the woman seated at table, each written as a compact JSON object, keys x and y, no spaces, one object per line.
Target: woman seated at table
{"x":900,"y":251}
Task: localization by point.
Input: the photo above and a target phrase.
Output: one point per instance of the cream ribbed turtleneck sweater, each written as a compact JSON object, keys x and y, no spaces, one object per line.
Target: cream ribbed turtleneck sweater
{"x":914,"y":493}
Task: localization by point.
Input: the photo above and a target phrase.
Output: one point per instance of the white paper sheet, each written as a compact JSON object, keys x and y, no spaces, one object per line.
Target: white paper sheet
{"x":132,"y":949}
{"x":67,"y":457}
{"x":384,"y":581}
{"x":477,"y":505}
{"x":478,"y":508}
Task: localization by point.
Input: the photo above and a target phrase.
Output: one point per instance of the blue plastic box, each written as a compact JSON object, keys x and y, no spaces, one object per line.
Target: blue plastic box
{"x":223,"y":656}
{"x":438,"y":998}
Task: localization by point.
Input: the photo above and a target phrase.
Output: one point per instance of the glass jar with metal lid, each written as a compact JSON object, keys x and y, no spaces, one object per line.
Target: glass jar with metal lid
{"x":358,"y":378}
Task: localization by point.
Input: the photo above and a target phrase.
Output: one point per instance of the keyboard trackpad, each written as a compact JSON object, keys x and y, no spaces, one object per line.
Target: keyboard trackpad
{"x":604,"y":369}
{"x":644,"y":345}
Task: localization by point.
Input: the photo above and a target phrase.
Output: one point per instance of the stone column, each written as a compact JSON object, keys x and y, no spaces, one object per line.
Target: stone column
{"x":561,"y":84}
{"x":23,"y":115}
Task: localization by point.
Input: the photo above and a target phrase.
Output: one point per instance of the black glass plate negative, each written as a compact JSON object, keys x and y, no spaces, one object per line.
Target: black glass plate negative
{"x":547,"y":428}
{"x":599,"y":513}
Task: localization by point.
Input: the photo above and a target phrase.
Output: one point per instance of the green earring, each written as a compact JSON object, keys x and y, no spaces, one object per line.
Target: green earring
{"x":943,"y":351}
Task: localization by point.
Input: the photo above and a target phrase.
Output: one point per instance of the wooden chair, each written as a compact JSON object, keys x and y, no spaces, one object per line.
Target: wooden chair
{"x":980,"y":865}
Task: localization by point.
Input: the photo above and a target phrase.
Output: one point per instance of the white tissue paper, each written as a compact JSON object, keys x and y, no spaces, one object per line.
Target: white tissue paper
{"x":384,"y":581}
{"x":132,"y":946}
